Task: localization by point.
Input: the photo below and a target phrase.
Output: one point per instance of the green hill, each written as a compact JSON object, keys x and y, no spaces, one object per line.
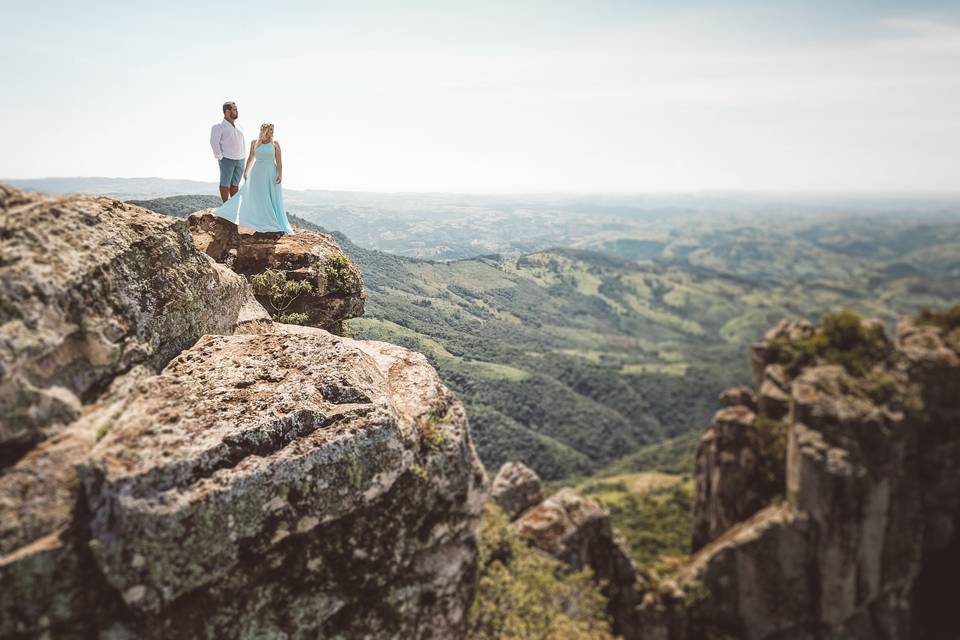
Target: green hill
{"x":580,"y":361}
{"x":573,"y":361}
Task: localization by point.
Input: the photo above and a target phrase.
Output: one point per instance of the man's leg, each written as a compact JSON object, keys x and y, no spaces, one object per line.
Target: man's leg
{"x":224,"y":179}
{"x":235,"y":177}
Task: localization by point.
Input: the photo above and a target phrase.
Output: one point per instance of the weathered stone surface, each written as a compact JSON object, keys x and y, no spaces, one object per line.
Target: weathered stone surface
{"x":577,"y":530}
{"x":752,"y":582}
{"x":306,"y":255}
{"x":282,"y":483}
{"x":774,"y":400}
{"x":90,"y":287}
{"x":866,"y":544}
{"x":762,"y":353}
{"x":516,"y":488}
{"x":162,"y":480}
{"x":739,"y":396}
{"x":727,"y":485}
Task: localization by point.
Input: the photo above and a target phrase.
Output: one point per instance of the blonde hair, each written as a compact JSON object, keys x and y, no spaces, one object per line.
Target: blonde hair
{"x":266,"y":133}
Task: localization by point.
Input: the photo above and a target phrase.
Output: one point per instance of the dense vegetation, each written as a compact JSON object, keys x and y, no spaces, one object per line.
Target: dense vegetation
{"x":523,"y":593}
{"x":651,"y":510}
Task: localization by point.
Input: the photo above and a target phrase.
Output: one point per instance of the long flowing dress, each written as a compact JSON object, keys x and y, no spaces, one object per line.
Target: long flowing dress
{"x":258,"y":204}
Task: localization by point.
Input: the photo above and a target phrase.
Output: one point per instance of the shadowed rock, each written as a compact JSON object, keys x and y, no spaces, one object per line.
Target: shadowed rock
{"x":866,"y":543}
{"x":304,"y":256}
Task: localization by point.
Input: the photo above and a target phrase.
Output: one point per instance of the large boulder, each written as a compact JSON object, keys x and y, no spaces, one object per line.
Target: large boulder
{"x":260,"y":485}
{"x":90,"y":288}
{"x":336,"y":284}
{"x":516,"y":488}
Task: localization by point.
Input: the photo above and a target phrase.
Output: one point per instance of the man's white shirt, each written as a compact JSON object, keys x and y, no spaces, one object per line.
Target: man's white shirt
{"x":227,"y":141}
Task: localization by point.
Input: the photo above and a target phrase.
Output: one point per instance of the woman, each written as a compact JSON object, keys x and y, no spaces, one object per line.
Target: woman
{"x":259,"y":202}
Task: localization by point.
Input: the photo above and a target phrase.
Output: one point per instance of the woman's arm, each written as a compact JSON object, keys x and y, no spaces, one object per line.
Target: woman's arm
{"x":276,"y":148}
{"x":253,"y":149}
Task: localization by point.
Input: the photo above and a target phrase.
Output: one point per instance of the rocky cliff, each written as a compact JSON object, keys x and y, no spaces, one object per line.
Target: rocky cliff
{"x":177,"y":465}
{"x":335,"y":290}
{"x":828,"y":501}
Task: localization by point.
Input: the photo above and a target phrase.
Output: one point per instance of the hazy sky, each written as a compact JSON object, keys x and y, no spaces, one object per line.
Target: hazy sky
{"x":491,"y":96}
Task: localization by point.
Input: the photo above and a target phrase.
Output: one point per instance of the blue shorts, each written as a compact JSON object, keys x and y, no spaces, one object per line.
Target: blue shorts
{"x":230,"y":172}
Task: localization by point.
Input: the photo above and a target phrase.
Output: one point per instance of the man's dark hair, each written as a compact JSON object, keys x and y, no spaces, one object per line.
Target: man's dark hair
{"x":227,"y":105}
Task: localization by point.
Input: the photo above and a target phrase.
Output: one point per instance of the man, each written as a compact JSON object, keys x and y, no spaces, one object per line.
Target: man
{"x":229,"y":148}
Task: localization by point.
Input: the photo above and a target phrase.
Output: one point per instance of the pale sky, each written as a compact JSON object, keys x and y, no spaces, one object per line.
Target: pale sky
{"x":490,"y":96}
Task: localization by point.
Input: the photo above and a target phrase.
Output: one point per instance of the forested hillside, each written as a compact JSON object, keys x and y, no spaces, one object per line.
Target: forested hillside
{"x":571,"y":360}
{"x":578,"y":361}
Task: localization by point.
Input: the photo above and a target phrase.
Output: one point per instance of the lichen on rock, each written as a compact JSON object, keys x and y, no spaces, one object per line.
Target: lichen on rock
{"x":90,"y":288}
{"x":214,"y":474}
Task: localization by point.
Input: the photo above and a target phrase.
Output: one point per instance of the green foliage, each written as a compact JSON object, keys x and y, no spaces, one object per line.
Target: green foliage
{"x":419,"y":472}
{"x":104,"y":429}
{"x":280,"y":292}
{"x":842,"y":338}
{"x":675,"y":455}
{"x":522,"y":593}
{"x":339,"y":276}
{"x":948,"y":319}
{"x":433,"y":438}
{"x":892,"y":389}
{"x":656,"y":523}
{"x":292,"y":318}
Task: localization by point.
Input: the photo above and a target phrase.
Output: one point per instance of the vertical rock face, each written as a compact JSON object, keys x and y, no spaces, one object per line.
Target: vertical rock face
{"x":726,"y":474}
{"x":516,"y":488}
{"x":337,"y":285}
{"x":864,"y":543}
{"x":276,"y":482}
{"x":89,"y":289}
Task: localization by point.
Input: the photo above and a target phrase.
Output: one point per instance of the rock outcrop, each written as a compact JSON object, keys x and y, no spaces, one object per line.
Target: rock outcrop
{"x":89,"y":289}
{"x":516,"y":488}
{"x":267,"y":481}
{"x":863,"y":540}
{"x":307,"y":256}
{"x":577,"y":531}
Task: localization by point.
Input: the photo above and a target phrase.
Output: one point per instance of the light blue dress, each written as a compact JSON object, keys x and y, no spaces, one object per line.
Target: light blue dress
{"x":258,"y":204}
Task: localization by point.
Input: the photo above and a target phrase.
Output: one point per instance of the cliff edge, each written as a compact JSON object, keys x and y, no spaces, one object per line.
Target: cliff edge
{"x":175,"y":464}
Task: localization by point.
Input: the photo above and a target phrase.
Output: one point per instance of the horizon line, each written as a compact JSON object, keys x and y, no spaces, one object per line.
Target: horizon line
{"x":690,"y":191}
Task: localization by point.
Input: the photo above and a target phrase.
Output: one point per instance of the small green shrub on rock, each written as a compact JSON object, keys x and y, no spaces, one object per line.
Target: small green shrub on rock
{"x":339,"y":276}
{"x":280,"y":293}
{"x":293,"y":318}
{"x":842,"y":338}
